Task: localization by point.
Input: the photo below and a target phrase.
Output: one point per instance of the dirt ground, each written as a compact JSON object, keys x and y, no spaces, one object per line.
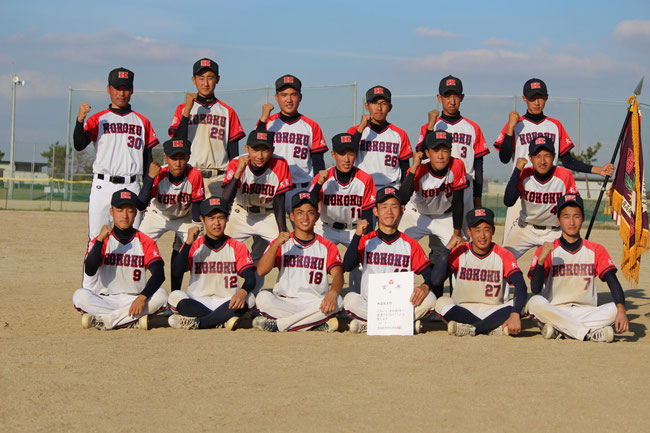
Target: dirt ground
{"x":56,"y":376}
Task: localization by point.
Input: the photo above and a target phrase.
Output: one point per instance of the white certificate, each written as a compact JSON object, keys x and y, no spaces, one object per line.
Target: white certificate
{"x":389,"y":310}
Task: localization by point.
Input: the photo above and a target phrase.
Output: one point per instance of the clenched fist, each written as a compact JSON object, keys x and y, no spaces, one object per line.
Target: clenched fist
{"x":84,"y":109}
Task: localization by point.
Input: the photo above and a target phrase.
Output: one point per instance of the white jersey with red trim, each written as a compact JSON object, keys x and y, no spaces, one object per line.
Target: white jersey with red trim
{"x":379,"y":257}
{"x":380,"y":153}
{"x":214,"y":272}
{"x":467,"y":141}
{"x":123,"y":266}
{"x":526,"y":131}
{"x":209,"y":129}
{"x":433,"y":194}
{"x":259,"y":190}
{"x":539,"y":199}
{"x":571,"y":276}
{"x":343,"y":203}
{"x":173,"y":200}
{"x":296,"y":141}
{"x":304,"y":267}
{"x":481,"y":279}
{"x":120,"y":141}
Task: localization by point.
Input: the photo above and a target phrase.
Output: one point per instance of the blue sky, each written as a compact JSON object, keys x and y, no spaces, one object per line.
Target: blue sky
{"x":588,"y":49}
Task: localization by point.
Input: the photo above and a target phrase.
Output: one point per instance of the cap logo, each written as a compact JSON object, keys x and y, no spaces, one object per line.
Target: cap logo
{"x":122,"y":75}
{"x":540,"y":140}
{"x":378,"y":91}
{"x":389,"y":191}
{"x":125,"y":194}
{"x":215,"y":201}
{"x":261,"y":136}
{"x":479,"y":212}
{"x":535,"y":85}
{"x":304,"y":195}
{"x":177,"y":143}
{"x":205,"y":62}
{"x":346,"y":139}
{"x":441,"y":135}
{"x":451,"y":82}
{"x":288,"y":79}
{"x":570,"y":197}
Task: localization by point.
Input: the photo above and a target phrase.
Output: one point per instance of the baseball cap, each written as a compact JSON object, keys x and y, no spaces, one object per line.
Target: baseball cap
{"x":211,"y":204}
{"x":172,"y":147}
{"x":344,"y":141}
{"x":301,"y":198}
{"x":450,"y":84}
{"x":205,"y":63}
{"x":121,"y":77}
{"x":122,"y":197}
{"x":541,"y":142}
{"x":377,"y":92}
{"x":535,"y":86}
{"x":385,"y":193}
{"x":478,"y":215}
{"x":288,"y":81}
{"x":570,"y":200}
{"x":258,"y":138}
{"x":437,"y":138}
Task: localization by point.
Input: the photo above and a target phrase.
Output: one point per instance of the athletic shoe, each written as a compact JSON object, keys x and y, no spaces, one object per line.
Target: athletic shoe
{"x":265,"y":324}
{"x":549,"y":332}
{"x":499,"y":330}
{"x":90,"y":321}
{"x":331,"y":325}
{"x":417,"y":327}
{"x":604,"y":334}
{"x":460,"y":329}
{"x":358,"y":326}
{"x":183,"y":322}
{"x":231,"y":324}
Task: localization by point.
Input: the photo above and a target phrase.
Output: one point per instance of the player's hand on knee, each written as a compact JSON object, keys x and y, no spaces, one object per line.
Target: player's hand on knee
{"x":329,"y":303}
{"x":433,"y":118}
{"x":104,"y":233}
{"x":521,"y":163}
{"x":266,"y":112}
{"x":621,"y":323}
{"x":238,"y":300}
{"x":137,"y":306}
{"x":418,"y":295}
{"x":513,"y":323}
{"x":192,"y":234}
{"x":454,"y":242}
{"x":154,"y":169}
{"x":322,"y":177}
{"x":362,"y":225}
{"x":84,"y":109}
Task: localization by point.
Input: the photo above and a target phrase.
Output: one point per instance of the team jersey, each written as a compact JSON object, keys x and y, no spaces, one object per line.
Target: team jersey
{"x":304,"y":267}
{"x":122,"y":268}
{"x":343,"y":203}
{"x":376,"y":256}
{"x":526,"y":131}
{"x":433,"y":194}
{"x":295,"y":142}
{"x":259,"y":190}
{"x":538,"y":199}
{"x":480,"y":279}
{"x":173,"y":200}
{"x":467,"y":141}
{"x":214,"y":272}
{"x":120,"y":141}
{"x":571,"y":276}
{"x":380,"y":153}
{"x":209,"y":129}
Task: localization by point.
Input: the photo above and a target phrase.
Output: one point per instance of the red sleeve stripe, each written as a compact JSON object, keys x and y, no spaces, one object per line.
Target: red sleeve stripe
{"x":155,"y":259}
{"x":459,"y":187}
{"x":405,"y":157}
{"x":337,"y":263}
{"x":423,"y":267}
{"x":566,"y":150}
{"x":609,"y":268}
{"x":243,"y":268}
{"x":321,"y":149}
{"x":483,"y":153}
{"x":369,"y":206}
{"x":280,"y":191}
{"x":237,"y":137}
{"x":153,"y":144}
{"x":512,"y":271}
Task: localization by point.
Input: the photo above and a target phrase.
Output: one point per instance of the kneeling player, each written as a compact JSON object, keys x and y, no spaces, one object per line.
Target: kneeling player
{"x":214,"y":260}
{"x":564,"y":273}
{"x":479,"y":269}
{"x":386,"y":250}
{"x":119,"y":256}
{"x":302,"y":298}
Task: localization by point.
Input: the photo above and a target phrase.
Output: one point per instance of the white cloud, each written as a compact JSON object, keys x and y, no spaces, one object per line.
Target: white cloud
{"x":37,"y":86}
{"x":635,"y":33}
{"x":428,"y":32}
{"x":495,"y":42}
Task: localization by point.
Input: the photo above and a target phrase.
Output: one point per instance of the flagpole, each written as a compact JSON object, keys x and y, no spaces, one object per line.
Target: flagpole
{"x":604,"y":185}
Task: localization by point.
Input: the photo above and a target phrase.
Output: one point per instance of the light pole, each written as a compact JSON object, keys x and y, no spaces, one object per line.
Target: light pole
{"x":15,"y":82}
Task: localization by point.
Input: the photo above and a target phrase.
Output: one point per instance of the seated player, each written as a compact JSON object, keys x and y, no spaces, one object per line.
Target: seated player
{"x":213,"y":297}
{"x":175,"y":189}
{"x":302,"y":298}
{"x":563,"y":278}
{"x":479,"y":270}
{"x":382,"y":251}
{"x":119,"y":256}
{"x":346,"y":195}
{"x":257,"y":183}
{"x":539,"y":187}
{"x":437,"y":207}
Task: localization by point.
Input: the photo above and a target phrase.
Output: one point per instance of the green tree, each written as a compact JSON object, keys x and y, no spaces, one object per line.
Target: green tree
{"x":56,"y":151}
{"x":588,"y":156}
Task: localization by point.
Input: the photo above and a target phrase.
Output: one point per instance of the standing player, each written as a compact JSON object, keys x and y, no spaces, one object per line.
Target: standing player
{"x":384,"y":149}
{"x":123,"y":140}
{"x":520,"y":131}
{"x":386,"y":250}
{"x":214,"y":260}
{"x":257,"y":183}
{"x":479,"y":270}
{"x":302,"y":298}
{"x":120,"y":256}
{"x":563,"y":278}
{"x":539,"y":187}
{"x":210,"y":125}
{"x":298,"y":139}
{"x":175,"y":189}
